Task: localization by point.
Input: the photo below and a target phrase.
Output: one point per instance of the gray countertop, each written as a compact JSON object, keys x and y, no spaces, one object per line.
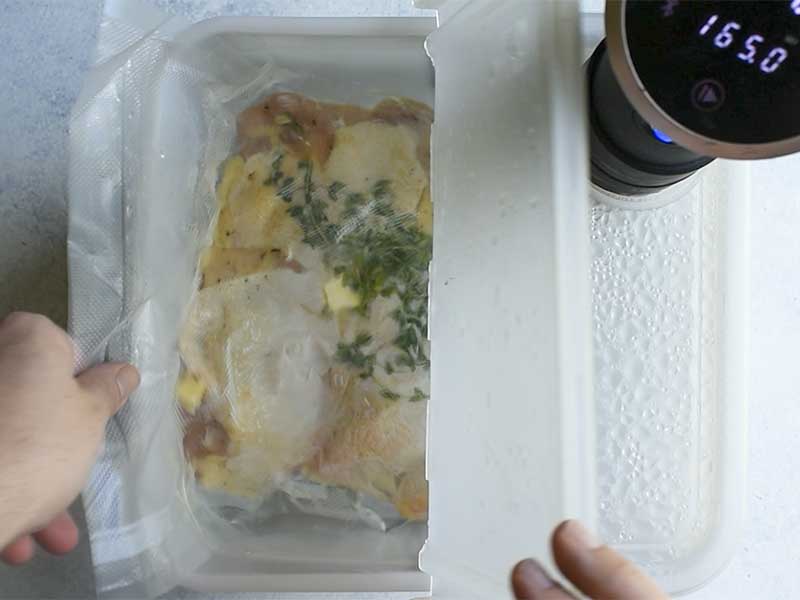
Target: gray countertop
{"x":45,"y":47}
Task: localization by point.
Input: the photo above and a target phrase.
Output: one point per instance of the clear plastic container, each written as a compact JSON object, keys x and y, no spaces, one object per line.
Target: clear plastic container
{"x":510,"y":427}
{"x":510,"y":243}
{"x":513,"y":444}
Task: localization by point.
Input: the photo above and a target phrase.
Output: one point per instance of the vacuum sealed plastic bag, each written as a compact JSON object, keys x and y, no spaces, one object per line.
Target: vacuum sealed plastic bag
{"x":305,"y":350}
{"x":250,"y":225}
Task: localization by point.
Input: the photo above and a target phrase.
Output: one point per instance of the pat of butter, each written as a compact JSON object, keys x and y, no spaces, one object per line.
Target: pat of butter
{"x":190,"y":392}
{"x":339,"y":296}
{"x":233,"y":170}
{"x":211,"y":471}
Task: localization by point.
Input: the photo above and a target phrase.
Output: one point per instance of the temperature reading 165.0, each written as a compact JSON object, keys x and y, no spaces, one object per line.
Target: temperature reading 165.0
{"x":751,"y":49}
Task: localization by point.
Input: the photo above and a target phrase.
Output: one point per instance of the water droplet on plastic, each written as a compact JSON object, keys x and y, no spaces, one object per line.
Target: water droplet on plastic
{"x":519,"y":40}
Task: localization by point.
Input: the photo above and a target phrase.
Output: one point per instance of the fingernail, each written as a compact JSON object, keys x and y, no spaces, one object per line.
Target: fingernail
{"x":127,"y":381}
{"x":533,"y":576}
{"x":579,"y":536}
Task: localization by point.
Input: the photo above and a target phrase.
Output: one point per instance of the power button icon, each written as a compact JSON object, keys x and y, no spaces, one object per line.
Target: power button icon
{"x":708,"y":95}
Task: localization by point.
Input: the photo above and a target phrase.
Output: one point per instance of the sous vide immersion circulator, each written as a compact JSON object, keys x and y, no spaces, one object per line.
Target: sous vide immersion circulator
{"x":677,"y":83}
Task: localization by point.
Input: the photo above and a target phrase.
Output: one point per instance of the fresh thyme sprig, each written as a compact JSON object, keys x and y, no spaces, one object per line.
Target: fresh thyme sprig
{"x":377,"y":253}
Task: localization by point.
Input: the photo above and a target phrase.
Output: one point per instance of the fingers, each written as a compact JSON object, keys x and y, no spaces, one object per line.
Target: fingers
{"x":18,"y":552}
{"x":35,"y":333}
{"x":26,"y":322}
{"x":109,"y":385}
{"x":597,"y":570}
{"x":60,"y":536}
{"x":530,"y":581}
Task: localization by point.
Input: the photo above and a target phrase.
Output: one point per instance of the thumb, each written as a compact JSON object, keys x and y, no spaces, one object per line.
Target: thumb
{"x":109,"y":385}
{"x":597,"y":570}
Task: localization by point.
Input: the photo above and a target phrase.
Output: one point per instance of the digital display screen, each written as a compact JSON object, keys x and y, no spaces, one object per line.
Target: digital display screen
{"x":728,"y":70}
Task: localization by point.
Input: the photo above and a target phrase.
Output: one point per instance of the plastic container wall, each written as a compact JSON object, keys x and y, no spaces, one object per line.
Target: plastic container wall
{"x":511,"y":431}
{"x":510,"y":424}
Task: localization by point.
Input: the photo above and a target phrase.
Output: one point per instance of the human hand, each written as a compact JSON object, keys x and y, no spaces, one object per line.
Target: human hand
{"x":51,"y":426}
{"x":593,"y":569}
